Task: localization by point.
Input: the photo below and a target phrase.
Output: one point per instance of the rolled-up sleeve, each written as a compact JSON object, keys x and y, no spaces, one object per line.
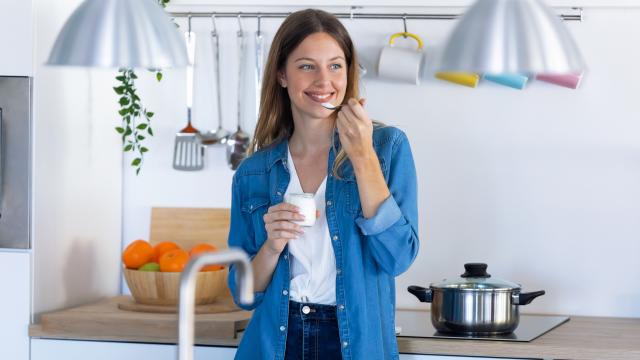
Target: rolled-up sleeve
{"x":387,"y":214}
{"x":392,"y":233}
{"x":241,"y":236}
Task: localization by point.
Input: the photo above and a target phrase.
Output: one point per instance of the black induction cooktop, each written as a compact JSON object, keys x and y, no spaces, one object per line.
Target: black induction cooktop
{"x":417,"y":323}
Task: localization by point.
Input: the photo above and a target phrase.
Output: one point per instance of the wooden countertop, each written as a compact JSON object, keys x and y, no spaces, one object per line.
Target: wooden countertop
{"x":582,"y":338}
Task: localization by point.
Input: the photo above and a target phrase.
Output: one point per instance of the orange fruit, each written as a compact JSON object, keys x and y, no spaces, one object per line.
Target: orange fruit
{"x":173,"y":260}
{"x":204,"y":248}
{"x":163,"y":247}
{"x":200,"y":248}
{"x":137,"y":254}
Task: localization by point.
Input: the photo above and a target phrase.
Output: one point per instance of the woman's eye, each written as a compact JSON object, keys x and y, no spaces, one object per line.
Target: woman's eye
{"x":306,"y":67}
{"x":336,"y":66}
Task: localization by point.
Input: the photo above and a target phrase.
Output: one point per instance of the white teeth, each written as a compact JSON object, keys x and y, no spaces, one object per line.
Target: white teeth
{"x":320,"y":97}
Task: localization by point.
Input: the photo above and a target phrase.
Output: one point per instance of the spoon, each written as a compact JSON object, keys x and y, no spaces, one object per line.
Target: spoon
{"x":328,"y":105}
{"x":220,"y":135}
{"x":238,"y":142}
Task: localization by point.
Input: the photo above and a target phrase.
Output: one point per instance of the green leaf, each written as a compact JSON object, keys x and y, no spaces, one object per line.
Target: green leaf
{"x":136,"y":162}
{"x":119,"y":130}
{"x":123,"y":101}
{"x":143,"y":149}
{"x":159,"y":76}
{"x":133,"y":75}
{"x":128,"y":131}
{"x":123,"y":112}
{"x":138,"y":171}
{"x":150,"y":131}
{"x":140,"y":137}
{"x":136,"y":106}
{"x":150,"y":114}
{"x":128,"y":148}
{"x":120,"y":78}
{"x":119,"y":90}
{"x":142,"y":126}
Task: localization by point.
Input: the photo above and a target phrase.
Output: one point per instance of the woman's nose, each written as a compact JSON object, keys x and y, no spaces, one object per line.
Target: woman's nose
{"x":323,"y":75}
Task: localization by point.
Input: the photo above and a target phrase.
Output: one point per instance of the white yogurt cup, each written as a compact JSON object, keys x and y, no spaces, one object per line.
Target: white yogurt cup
{"x":307,"y":205}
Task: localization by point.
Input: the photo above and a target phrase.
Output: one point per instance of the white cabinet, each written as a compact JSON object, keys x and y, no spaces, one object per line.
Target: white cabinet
{"x":16,"y":38}
{"x":15,"y":304}
{"x":45,"y":349}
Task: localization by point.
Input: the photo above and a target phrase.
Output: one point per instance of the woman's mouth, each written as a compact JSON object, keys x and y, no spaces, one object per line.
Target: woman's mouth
{"x":320,"y":97}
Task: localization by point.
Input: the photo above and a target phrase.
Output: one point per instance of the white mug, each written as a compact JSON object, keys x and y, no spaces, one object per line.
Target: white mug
{"x":307,"y":205}
{"x":401,"y":64}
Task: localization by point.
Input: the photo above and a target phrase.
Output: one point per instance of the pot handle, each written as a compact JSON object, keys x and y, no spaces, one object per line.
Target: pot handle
{"x":423,"y":294}
{"x":527,"y":298}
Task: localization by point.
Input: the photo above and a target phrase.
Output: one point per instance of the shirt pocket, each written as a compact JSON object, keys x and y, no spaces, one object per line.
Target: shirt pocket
{"x":255,"y":208}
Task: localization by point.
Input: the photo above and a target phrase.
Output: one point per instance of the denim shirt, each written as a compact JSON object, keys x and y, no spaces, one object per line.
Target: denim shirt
{"x":369,"y":252}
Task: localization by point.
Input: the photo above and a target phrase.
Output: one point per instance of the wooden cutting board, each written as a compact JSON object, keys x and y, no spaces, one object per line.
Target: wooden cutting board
{"x":104,"y":320}
{"x":190,"y":226}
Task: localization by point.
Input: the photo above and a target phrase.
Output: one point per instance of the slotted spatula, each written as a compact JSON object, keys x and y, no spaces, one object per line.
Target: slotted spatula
{"x":188,"y":152}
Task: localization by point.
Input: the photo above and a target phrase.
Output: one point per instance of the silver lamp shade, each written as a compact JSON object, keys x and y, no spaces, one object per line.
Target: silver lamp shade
{"x":511,"y":36}
{"x":119,"y":33}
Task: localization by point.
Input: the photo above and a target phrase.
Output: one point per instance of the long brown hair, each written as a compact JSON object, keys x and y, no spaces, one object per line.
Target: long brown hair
{"x":275,"y":120}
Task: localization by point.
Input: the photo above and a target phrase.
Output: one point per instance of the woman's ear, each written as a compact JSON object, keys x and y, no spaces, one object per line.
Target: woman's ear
{"x":282,"y":79}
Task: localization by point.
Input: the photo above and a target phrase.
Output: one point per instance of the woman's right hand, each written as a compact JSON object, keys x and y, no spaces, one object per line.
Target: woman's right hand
{"x":280,"y":227}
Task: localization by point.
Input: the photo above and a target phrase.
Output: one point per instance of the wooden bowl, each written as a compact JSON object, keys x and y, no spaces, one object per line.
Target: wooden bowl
{"x":162,"y":288}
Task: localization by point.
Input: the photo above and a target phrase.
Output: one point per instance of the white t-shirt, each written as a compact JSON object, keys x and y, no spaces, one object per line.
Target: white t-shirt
{"x":313,"y":263}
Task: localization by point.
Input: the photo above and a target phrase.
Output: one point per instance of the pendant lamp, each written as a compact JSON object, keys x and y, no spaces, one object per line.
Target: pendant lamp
{"x":511,"y":36}
{"x":119,"y":33}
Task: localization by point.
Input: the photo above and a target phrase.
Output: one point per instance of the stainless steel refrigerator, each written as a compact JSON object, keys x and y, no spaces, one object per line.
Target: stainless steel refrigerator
{"x":15,"y":162}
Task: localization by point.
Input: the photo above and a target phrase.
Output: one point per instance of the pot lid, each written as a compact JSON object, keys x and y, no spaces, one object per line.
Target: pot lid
{"x":476,"y":277}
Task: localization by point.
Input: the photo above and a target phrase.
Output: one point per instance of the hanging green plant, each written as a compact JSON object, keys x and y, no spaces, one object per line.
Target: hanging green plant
{"x":136,"y":119}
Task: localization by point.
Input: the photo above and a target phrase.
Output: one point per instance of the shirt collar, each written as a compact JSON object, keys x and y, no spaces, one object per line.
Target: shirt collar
{"x":278,"y":152}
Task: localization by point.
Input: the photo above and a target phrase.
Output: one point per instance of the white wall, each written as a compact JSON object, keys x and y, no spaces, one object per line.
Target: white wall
{"x":77,"y":175}
{"x":541,"y":184}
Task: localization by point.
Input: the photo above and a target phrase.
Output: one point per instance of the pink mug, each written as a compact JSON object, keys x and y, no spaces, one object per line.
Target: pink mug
{"x":571,"y":81}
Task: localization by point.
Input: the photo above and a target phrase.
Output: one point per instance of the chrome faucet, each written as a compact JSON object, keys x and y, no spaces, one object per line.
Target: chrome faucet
{"x":186,"y":311}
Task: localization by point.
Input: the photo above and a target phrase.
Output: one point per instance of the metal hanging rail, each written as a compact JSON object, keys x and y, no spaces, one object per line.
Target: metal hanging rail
{"x":348,"y":15}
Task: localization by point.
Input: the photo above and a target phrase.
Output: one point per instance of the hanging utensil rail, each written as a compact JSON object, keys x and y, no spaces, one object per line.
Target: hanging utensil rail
{"x":577,"y":16}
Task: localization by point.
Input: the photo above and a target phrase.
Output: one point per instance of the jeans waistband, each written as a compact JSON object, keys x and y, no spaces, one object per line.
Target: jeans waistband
{"x":312,"y":311}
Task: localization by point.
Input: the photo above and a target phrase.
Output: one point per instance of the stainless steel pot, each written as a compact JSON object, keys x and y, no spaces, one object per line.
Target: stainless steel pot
{"x":476,"y":304}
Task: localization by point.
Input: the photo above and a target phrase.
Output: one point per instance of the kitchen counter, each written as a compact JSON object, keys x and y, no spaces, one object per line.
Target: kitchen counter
{"x":593,"y":338}
{"x":581,"y":338}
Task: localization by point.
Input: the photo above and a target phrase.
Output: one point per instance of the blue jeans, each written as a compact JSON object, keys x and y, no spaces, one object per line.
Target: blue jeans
{"x":313,"y":332}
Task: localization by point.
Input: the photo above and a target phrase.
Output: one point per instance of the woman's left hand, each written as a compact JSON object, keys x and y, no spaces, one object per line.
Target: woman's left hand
{"x":355,"y":129}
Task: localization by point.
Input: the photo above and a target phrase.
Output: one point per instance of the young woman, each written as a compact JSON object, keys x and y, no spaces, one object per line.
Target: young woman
{"x":325,"y":291}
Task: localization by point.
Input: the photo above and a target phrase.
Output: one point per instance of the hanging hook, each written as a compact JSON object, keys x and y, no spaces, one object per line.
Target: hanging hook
{"x":259,"y":21}
{"x":404,"y":22}
{"x":239,"y":23}
{"x":213,"y":23}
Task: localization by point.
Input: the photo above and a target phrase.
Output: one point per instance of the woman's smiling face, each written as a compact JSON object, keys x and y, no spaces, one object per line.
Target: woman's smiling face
{"x":315,"y":72}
